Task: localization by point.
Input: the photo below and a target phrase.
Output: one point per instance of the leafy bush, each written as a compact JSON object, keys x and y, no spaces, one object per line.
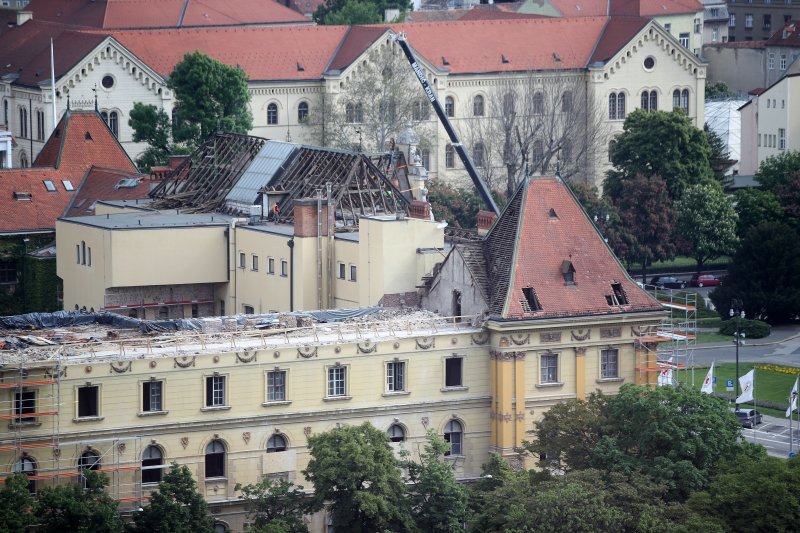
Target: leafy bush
{"x":753,"y":329}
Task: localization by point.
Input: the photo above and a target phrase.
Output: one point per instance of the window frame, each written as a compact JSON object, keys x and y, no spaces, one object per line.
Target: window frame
{"x":272,"y":114}
{"x":98,"y":400}
{"x":222,"y":461}
{"x":456,"y":448}
{"x":284,"y":268}
{"x":395,"y":383}
{"x":340,"y":270}
{"x":478,"y":105}
{"x":22,"y":405}
{"x":393,"y":436}
{"x":254,"y":262}
{"x":544,"y":380}
{"x":353,"y":273}
{"x":277,"y":449}
{"x":449,"y":156}
{"x":447,"y":368}
{"x":303,"y":110}
{"x":604,"y":373}
{"x":146,"y":395}
{"x":210,"y":404}
{"x":152,"y":466}
{"x":449,"y":106}
{"x":271,"y":266}
{"x":284,"y":399}
{"x":334,"y":374}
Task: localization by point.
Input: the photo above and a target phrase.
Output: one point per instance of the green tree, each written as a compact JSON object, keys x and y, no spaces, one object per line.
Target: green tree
{"x":176,"y":507}
{"x":438,"y":501}
{"x":777,"y":170}
{"x":274,"y":505}
{"x":706,"y":223}
{"x":494,"y":474}
{"x":606,"y":219}
{"x":755,"y":207}
{"x":75,"y":509}
{"x":719,"y":157}
{"x":718,"y":89}
{"x":349,"y":12}
{"x":459,"y":207}
{"x":15,"y":504}
{"x":354,"y":469}
{"x":646,"y":212}
{"x":211,"y":95}
{"x":764,"y":274}
{"x":753,"y":494}
{"x":152,"y":126}
{"x":660,"y":144}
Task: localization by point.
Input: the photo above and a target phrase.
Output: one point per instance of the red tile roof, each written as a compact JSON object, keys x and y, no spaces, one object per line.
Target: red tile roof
{"x":106,"y":184}
{"x":265,"y":53}
{"x":356,"y":40}
{"x":119,"y":14}
{"x":655,"y":8}
{"x":526,"y":44}
{"x":641,"y":8}
{"x":66,"y":156}
{"x":545,"y":226}
{"x":618,"y":32}
{"x":738,"y":44}
{"x":789,"y":36}
{"x":483,"y":12}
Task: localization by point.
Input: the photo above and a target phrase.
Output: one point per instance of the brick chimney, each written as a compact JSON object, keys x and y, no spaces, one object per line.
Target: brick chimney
{"x":419,"y":209}
{"x":305,"y":218}
{"x":485,"y":221}
{"x":175,"y":161}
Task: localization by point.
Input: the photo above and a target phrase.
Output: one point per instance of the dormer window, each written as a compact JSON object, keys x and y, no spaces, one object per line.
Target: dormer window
{"x":531,"y":302}
{"x":22,"y":196}
{"x":617,"y":296}
{"x":127,"y":183}
{"x":49,"y":185}
{"x":553,"y":215}
{"x":88,"y":136}
{"x":568,"y":272}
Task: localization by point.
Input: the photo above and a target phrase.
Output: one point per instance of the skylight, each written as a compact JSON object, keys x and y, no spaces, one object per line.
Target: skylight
{"x":49,"y":185}
{"x":127,"y":183}
{"x":22,"y":196}
{"x":68,"y":185}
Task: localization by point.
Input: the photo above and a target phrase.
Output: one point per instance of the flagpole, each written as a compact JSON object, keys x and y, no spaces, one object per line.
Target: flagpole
{"x":755,"y":407}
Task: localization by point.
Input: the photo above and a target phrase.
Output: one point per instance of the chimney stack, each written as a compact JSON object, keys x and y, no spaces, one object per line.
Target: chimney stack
{"x":305,"y":218}
{"x":485,"y":221}
{"x":419,"y":209}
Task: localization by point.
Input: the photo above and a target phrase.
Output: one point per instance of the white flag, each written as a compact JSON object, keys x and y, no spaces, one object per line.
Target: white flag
{"x":747,"y":385}
{"x":792,"y":399}
{"x":665,"y":375}
{"x":708,"y":384}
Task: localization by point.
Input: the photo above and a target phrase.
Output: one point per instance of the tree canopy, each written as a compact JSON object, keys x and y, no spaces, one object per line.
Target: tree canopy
{"x":659,"y":143}
{"x":353,"y":468}
{"x":176,"y":506}
{"x":63,"y":508}
{"x":15,"y":504}
{"x":706,"y":223}
{"x":350,"y":12}
{"x":274,"y":505}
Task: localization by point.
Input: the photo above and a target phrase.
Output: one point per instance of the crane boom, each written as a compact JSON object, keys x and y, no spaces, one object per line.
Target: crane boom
{"x":483,"y":190}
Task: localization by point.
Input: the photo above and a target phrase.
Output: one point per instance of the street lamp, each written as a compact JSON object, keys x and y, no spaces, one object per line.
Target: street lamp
{"x":737,"y":310}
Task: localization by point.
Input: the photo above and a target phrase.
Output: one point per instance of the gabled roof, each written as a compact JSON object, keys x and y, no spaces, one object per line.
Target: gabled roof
{"x":118,"y":14}
{"x":541,"y":230}
{"x":788,"y":36}
{"x":31,"y":204}
{"x":355,"y":42}
{"x":264,"y":53}
{"x":106,"y":184}
{"x":618,"y":32}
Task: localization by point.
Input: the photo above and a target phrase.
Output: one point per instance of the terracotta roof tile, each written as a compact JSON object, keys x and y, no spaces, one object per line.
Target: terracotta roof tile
{"x":527,"y":44}
{"x":545,"y":227}
{"x":618,"y":32}
{"x":41,"y":210}
{"x":265,"y":53}
{"x":655,"y":8}
{"x":641,"y":8}
{"x":355,"y":42}
{"x":75,"y":12}
{"x":738,"y":44}
{"x":106,"y":184}
{"x":435,"y":15}
{"x":786,"y":36}
{"x":231,"y":12}
{"x":481,"y":12}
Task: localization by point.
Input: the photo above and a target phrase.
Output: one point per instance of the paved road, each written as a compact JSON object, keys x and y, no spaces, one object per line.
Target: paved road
{"x":773,"y":434}
{"x":782,"y":347}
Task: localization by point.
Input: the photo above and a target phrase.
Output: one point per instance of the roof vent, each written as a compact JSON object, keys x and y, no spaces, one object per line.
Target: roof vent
{"x":88,"y":136}
{"x":22,"y":196}
{"x":553,"y":213}
{"x":300,"y":67}
{"x":504,"y":59}
{"x":556,"y":57}
{"x":445,"y":61}
{"x":568,"y":272}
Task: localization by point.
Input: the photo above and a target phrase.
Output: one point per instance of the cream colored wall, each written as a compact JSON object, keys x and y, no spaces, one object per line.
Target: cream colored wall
{"x":346,"y":290}
{"x":287,"y":97}
{"x":772,"y":115}
{"x":84,"y":285}
{"x":261,"y":290}
{"x":684,"y":23}
{"x":749,"y":145}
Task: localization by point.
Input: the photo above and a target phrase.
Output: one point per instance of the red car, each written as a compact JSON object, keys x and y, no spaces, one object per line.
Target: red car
{"x":705,"y":280}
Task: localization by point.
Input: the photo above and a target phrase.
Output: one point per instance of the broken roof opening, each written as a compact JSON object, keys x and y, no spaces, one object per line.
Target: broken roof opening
{"x":531,"y":301}
{"x":617,"y":296}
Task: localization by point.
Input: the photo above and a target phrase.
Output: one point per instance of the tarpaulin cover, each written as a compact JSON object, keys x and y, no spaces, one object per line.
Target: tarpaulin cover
{"x":61,"y":319}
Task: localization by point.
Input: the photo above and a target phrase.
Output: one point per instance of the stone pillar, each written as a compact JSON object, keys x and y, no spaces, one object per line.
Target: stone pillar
{"x":580,"y":373}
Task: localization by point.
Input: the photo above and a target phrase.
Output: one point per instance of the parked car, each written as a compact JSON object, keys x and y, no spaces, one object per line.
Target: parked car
{"x":749,"y":418}
{"x":667,"y":282}
{"x":705,"y":280}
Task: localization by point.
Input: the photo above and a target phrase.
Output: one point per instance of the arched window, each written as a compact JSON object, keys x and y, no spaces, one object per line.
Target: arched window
{"x":453,"y":433}
{"x":215,"y":459}
{"x":676,"y":100}
{"x":425,"y":155}
{"x":302,"y":112}
{"x":39,"y":125}
{"x":685,"y":101}
{"x":477,"y":106}
{"x":653,"y":101}
{"x":538,"y":103}
{"x":396,"y":433}
{"x":508,"y":104}
{"x":113,"y":123}
{"x":272,"y":114}
{"x":646,"y":100}
{"x":104,"y":116}
{"x":23,"y":122}
{"x":23,"y":160}
{"x":449,"y":106}
{"x":276,"y":443}
{"x":152,"y":461}
{"x":27,"y":466}
{"x":5,"y":112}
{"x":621,"y":106}
{"x":219,"y":527}
{"x":89,"y":460}
{"x":354,"y":113}
{"x":477,"y":154}
{"x":449,"y":156}
{"x":612,"y":106}
{"x":566,"y":102}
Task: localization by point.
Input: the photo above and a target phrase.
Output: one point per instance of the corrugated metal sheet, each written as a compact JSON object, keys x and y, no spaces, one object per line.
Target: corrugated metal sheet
{"x":270,"y":159}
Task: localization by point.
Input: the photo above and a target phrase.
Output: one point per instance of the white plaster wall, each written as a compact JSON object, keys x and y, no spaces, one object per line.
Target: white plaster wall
{"x":749,"y":151}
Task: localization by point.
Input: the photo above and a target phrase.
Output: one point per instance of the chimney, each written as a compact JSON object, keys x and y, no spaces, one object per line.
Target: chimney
{"x":23,"y":17}
{"x":305,"y":218}
{"x":419,"y":209}
{"x":485,"y":221}
{"x":175,"y":161}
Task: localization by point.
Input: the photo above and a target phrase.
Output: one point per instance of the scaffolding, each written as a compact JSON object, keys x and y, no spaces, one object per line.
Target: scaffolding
{"x":30,"y":403}
{"x":665,"y":350}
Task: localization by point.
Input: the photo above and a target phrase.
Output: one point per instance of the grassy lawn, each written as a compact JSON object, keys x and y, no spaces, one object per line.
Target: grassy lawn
{"x":712,"y":336}
{"x":769,"y":386}
{"x":683,"y":262}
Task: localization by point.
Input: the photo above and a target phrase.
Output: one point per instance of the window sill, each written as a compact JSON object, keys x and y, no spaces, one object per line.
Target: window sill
{"x":549,"y":385}
{"x":454,"y":389}
{"x":151,"y":413}
{"x":222,"y":479}
{"x":216,"y":408}
{"x":454,"y":456}
{"x":26,"y":424}
{"x":609,"y":380}
{"x":396,"y":393}
{"x":281,"y":402}
{"x":336,"y":398}
{"x":88,"y":419}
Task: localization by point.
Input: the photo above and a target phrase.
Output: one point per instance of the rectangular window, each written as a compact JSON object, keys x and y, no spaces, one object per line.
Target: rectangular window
{"x":698,"y":28}
{"x":770,"y":64}
{"x":284,"y":268}
{"x":67,"y":185}
{"x":88,"y":401}
{"x":195,"y":311}
{"x":24,"y":404}
{"x":8,"y":272}
{"x":152,"y":396}
{"x":255,"y":263}
{"x":341,"y":270}
{"x":732,"y":21}
{"x":337,"y":381}
{"x":215,"y":391}
{"x":353,"y":272}
{"x":78,"y":253}
{"x":453,"y":372}
{"x":276,"y":386}
{"x":783,"y":61}
{"x":714,"y":35}
{"x":767,"y":22}
{"x":242,"y":259}
{"x":609,"y":363}
{"x":748,"y":21}
{"x":549,"y":363}
{"x":781,"y":138}
{"x":49,"y":185}
{"x":248,"y":309}
{"x":271,"y":265}
{"x":759,"y":139}
{"x":396,"y":376}
{"x":668,"y":27}
{"x":89,"y":256}
{"x":684,"y":39}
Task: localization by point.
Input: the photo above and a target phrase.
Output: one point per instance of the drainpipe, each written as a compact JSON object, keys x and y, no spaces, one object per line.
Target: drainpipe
{"x":290,"y":244}
{"x":319,"y":248}
{"x":331,"y":248}
{"x":233,"y":287}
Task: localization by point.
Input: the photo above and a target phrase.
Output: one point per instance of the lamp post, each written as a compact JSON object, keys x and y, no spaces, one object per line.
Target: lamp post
{"x":737,"y":311}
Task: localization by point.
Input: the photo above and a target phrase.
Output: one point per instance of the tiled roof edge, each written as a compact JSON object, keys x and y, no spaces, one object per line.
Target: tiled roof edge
{"x":523,"y":204}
